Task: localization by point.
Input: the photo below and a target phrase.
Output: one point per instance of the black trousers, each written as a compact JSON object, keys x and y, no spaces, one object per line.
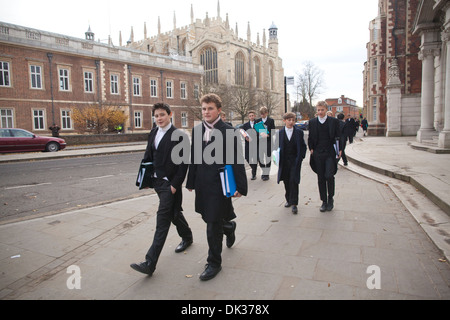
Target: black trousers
{"x":326,"y":167}
{"x":291,"y":192}
{"x":214,"y":234}
{"x":344,"y":156}
{"x":167,"y":214}
{"x":291,"y":187}
{"x":254,"y":168}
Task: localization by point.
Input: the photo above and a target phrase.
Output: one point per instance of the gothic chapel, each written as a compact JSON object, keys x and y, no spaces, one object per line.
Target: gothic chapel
{"x":225,"y":57}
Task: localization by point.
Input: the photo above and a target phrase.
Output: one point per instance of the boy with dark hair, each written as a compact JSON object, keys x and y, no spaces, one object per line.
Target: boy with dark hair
{"x":292,"y":152}
{"x":168,"y":178}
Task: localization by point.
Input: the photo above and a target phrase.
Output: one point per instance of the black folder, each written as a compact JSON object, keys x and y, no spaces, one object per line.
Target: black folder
{"x":145,"y":175}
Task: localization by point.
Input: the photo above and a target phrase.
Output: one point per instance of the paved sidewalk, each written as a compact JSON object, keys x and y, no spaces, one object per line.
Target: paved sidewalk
{"x":394,"y":157}
{"x":277,"y":255}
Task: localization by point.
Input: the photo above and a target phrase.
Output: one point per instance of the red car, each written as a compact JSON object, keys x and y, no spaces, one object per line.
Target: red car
{"x":19,"y":140}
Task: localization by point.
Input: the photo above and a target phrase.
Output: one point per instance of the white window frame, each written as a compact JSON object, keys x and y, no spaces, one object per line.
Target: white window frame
{"x":153,"y":88}
{"x":137,"y":92}
{"x":375,"y":71}
{"x":39,"y":119}
{"x":64,"y":79}
{"x":169,"y":89}
{"x":183,"y":90}
{"x":114,"y":81}
{"x":6,"y":118}
{"x":5,"y":74}
{"x":138,"y":119}
{"x":66,"y":119}
{"x":374,"y":108}
{"x":36,"y":79}
{"x":88,"y":81}
{"x":184,"y":120}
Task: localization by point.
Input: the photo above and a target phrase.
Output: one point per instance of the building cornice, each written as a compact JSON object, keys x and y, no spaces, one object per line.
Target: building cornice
{"x":53,"y":42}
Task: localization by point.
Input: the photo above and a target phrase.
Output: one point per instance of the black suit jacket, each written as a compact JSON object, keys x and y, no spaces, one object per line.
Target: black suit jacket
{"x":205,"y":178}
{"x":299,"y":139}
{"x":167,"y":168}
{"x":251,"y":155}
{"x":313,"y":138}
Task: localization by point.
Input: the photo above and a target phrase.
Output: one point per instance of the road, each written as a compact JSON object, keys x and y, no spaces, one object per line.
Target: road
{"x":53,"y":186}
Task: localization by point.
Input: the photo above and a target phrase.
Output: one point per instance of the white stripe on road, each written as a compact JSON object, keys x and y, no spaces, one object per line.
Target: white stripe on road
{"x":27,"y":186}
{"x":95,"y":178}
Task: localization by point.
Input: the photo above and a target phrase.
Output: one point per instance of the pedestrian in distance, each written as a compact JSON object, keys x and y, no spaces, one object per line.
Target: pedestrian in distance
{"x":168,"y":178}
{"x":223,"y":115}
{"x":265,"y":143}
{"x":350,"y":128}
{"x":324,"y":131}
{"x":251,"y":154}
{"x":343,"y":140}
{"x":292,"y":152}
{"x":204,"y":177}
{"x":365,"y":125}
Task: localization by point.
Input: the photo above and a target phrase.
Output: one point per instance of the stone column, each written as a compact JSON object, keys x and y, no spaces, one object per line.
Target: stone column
{"x":394,"y":101}
{"x":444,"y":136}
{"x":429,"y":50}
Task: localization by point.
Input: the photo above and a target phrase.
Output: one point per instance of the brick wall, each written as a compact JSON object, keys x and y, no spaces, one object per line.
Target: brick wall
{"x":22,"y":99}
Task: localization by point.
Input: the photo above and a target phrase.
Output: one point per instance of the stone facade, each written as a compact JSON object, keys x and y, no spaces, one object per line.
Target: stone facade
{"x":226,"y":58}
{"x":432,"y":25}
{"x":407,"y":74}
{"x":44,"y":75}
{"x":392,"y":73}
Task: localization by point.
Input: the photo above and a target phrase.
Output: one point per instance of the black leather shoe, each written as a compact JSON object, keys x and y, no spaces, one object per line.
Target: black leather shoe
{"x":253,"y":177}
{"x":231,"y":235}
{"x":183,"y":245}
{"x":330,"y":205}
{"x":210,"y":272}
{"x":323,"y":208}
{"x":143,"y":267}
{"x":294,"y":209}
{"x":287,"y":205}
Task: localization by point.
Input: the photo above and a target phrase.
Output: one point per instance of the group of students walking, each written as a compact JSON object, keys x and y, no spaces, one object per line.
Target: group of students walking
{"x":203,"y":172}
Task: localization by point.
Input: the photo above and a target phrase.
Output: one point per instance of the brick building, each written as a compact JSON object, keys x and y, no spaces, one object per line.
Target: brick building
{"x":344,"y":105}
{"x":393,"y":49}
{"x":44,"y":75}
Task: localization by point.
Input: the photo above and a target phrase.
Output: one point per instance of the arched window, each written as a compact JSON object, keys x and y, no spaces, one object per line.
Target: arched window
{"x":208,"y":59}
{"x":183,"y":48}
{"x":257,"y":65}
{"x":239,"y":69}
{"x":271,"y":76}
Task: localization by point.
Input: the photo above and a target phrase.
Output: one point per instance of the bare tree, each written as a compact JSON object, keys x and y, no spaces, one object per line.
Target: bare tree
{"x":241,"y":101}
{"x":310,"y":82}
{"x":269,"y":100}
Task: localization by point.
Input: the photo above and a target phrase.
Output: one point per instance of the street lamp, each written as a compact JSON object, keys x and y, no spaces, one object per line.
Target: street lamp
{"x":50,"y":56}
{"x":288,"y":81}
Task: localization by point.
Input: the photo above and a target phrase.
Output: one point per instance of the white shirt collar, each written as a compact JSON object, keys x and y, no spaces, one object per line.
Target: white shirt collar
{"x":264,"y":119}
{"x":289,"y":132}
{"x":322,"y":120}
{"x":164,"y":129}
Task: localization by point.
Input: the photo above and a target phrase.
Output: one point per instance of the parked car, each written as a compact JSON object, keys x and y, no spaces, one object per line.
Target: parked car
{"x":304,"y":125}
{"x":19,"y":140}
